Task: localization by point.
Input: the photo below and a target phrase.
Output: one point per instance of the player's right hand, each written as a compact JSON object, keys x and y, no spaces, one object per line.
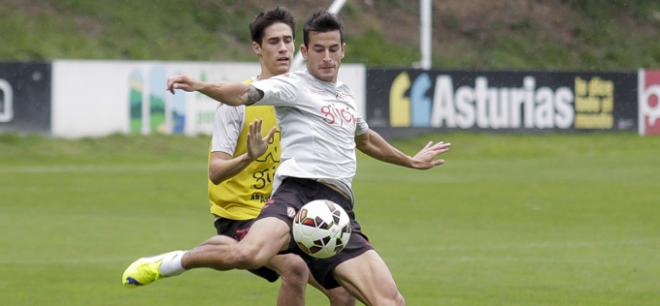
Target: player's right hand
{"x":425,"y":158}
{"x":258,"y":145}
{"x":183,"y":82}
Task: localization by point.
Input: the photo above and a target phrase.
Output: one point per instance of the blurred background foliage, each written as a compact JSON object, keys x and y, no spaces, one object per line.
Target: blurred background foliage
{"x":475,"y":34}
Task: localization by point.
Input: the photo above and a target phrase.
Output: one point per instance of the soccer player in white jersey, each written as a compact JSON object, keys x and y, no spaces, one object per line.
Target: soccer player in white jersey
{"x":320,"y":129}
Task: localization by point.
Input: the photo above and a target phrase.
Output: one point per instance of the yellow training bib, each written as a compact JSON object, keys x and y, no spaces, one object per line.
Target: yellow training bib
{"x":242,"y":196}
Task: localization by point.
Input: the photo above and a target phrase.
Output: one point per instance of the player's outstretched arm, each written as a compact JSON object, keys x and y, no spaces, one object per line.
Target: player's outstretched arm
{"x":234,"y":94}
{"x":223,"y":166}
{"x":374,"y":145}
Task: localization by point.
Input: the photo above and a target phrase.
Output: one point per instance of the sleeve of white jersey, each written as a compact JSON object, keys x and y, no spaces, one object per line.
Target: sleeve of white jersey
{"x":278,"y":91}
{"x":361,"y":126}
{"x":227,"y":126}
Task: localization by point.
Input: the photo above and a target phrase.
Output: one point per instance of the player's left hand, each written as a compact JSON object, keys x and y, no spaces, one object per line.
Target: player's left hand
{"x":183,"y":82}
{"x":425,"y":158}
{"x":258,"y":145}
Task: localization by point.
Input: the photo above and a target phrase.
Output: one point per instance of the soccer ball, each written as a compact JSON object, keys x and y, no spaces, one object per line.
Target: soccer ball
{"x":321,"y":228}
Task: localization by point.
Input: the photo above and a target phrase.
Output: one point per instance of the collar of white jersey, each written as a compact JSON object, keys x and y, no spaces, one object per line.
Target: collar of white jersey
{"x":337,"y":86}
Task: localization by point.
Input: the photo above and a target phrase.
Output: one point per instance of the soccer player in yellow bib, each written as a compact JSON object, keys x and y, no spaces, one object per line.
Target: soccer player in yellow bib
{"x":242,"y":163}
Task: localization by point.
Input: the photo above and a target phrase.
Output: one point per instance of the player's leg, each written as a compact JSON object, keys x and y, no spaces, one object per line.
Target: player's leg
{"x":295,"y":276}
{"x":214,"y":243}
{"x":290,"y":267}
{"x":368,"y":278}
{"x":338,"y":296}
{"x":269,"y":234}
{"x":265,"y":239}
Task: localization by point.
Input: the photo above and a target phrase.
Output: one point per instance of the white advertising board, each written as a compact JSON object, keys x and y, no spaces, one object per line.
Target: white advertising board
{"x":97,"y":98}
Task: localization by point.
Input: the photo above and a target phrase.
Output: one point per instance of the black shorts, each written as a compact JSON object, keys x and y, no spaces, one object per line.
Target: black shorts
{"x":237,"y":229}
{"x":289,"y":198}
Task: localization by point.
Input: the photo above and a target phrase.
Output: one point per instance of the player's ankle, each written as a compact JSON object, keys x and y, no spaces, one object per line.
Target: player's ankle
{"x":171,"y":264}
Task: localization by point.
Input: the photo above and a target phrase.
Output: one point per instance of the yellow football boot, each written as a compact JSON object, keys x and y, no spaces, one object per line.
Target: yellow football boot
{"x":144,"y":271}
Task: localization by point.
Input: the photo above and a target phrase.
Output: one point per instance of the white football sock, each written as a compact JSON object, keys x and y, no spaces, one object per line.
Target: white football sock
{"x":171,"y":264}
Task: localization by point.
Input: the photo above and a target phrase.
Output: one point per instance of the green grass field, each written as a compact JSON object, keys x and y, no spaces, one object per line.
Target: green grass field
{"x":509,"y":220}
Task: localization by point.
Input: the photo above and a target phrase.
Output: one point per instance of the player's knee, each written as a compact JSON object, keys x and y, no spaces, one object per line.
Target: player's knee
{"x":294,"y":271}
{"x":340,"y":297}
{"x":399,"y":300}
{"x":247,"y":257}
{"x":394,"y":299}
{"x":218,"y":240}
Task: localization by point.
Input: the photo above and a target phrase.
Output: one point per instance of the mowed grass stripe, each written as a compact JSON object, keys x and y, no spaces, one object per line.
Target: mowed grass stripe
{"x":127,"y":168}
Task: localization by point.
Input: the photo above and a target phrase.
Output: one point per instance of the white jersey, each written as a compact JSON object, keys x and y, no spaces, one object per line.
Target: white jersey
{"x":318,"y":122}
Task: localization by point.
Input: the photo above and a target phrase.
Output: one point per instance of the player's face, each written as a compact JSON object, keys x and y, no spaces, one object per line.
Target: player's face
{"x":324,"y":54}
{"x":276,"y":49}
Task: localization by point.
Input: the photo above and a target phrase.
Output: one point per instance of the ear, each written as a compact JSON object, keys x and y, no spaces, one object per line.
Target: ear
{"x":256,"y":48}
{"x":343,"y":50}
{"x":303,"y":50}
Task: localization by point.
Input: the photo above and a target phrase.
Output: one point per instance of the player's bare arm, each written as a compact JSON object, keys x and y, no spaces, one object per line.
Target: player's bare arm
{"x":224,"y":166}
{"x":374,"y":145}
{"x":234,"y":94}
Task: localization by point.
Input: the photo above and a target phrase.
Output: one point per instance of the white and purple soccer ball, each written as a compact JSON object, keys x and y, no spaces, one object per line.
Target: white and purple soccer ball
{"x":321,"y":228}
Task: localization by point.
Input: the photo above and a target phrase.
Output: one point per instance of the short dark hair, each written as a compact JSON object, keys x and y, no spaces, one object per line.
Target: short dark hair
{"x":322,"y":21}
{"x":268,"y":18}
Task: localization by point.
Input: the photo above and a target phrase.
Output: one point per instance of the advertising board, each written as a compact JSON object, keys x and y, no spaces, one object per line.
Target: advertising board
{"x":25,"y":97}
{"x":502,"y":100}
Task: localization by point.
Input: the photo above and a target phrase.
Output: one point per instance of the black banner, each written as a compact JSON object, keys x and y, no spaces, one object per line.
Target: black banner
{"x":502,"y":100}
{"x":25,"y":97}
